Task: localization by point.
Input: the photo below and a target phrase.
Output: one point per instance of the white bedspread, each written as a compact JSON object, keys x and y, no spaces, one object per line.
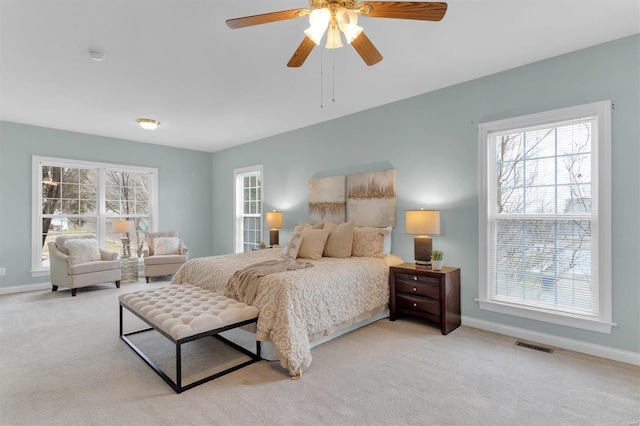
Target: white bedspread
{"x":301,"y":303}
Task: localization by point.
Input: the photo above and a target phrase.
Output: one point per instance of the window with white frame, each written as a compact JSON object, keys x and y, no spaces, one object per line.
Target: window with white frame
{"x":248,"y":208}
{"x":545,"y":226}
{"x":73,"y":197}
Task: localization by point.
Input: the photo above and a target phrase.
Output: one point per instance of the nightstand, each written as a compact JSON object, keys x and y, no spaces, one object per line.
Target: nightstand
{"x":422,"y":292}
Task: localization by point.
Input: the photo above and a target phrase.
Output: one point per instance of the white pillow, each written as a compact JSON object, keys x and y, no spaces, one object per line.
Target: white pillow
{"x":293,"y":245}
{"x":82,"y":250}
{"x":386,"y":245}
{"x":166,"y":245}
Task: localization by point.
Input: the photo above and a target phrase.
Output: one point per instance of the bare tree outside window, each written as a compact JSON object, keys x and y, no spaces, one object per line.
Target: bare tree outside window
{"x":542,"y":203}
{"x":127,"y":197}
{"x":67,"y":203}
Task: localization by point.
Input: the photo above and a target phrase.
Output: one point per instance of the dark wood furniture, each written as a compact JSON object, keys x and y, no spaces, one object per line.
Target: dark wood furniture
{"x":422,"y":292}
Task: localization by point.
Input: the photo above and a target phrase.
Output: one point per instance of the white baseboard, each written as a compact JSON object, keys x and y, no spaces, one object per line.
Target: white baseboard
{"x":24,"y":288}
{"x":559,"y":342}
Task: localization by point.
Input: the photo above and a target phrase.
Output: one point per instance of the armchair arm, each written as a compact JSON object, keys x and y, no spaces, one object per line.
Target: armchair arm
{"x":108,"y":255}
{"x":59,"y":264}
{"x":183,"y":249}
{"x":58,"y":259}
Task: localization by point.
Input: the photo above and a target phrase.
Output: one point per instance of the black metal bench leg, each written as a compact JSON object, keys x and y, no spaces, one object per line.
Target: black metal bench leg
{"x":178,"y":369}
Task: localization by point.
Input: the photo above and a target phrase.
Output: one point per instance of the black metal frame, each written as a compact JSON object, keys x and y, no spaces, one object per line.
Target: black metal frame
{"x":177,"y":385}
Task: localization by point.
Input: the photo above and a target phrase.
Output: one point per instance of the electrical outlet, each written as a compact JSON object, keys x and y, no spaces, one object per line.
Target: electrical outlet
{"x":3,"y":271}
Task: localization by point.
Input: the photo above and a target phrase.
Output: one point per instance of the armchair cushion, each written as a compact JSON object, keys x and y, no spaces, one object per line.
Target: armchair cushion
{"x":166,"y":245}
{"x":82,"y":250}
{"x":95,"y":266}
{"x":164,"y":259}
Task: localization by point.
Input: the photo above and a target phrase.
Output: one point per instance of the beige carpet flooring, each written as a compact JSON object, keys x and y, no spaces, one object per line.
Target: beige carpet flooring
{"x":63,"y":363}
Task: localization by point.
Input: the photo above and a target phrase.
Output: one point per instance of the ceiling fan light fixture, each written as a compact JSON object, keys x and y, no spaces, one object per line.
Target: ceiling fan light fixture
{"x":334,"y":41}
{"x":318,"y":23}
{"x":348,"y":23}
{"x":148,"y":123}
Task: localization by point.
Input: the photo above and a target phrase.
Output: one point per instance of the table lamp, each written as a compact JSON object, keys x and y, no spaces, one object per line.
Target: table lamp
{"x":124,"y":227}
{"x":422,"y":223}
{"x":274,"y":221}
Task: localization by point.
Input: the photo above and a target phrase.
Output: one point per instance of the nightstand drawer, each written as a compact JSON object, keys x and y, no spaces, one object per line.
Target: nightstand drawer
{"x":416,"y":278}
{"x":407,"y":302}
{"x":419,"y":288}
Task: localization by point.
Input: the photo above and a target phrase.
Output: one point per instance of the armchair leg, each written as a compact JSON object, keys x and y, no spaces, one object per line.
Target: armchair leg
{"x":118,"y":284}
{"x":147,"y":278}
{"x":73,"y":292}
{"x":54,"y":287}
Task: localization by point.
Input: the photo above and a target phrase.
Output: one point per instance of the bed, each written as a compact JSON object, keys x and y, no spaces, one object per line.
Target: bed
{"x":303,"y":306}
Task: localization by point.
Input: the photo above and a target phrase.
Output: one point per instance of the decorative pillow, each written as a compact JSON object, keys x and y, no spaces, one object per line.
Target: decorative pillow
{"x":340,"y":240}
{"x":313,"y":241}
{"x":293,"y":245}
{"x":302,"y":225}
{"x":82,"y":250}
{"x":386,"y":246}
{"x":166,"y":245}
{"x":368,"y":241}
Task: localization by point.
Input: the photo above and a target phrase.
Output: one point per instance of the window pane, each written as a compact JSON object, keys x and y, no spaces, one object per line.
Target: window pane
{"x":70,"y":204}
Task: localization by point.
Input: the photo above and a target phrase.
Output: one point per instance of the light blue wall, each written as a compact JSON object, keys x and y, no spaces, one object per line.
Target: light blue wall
{"x":431,"y":140}
{"x":184,"y":194}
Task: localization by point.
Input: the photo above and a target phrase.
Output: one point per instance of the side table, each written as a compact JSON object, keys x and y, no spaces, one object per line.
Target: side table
{"x":129,"y":266}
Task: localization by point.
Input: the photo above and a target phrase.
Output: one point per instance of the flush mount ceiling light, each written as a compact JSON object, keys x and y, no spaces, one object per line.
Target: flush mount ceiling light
{"x":148,"y":123}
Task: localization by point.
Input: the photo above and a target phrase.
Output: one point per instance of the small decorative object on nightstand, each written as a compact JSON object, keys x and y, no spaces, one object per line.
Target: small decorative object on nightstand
{"x":436,"y":260}
{"x":425,"y":293}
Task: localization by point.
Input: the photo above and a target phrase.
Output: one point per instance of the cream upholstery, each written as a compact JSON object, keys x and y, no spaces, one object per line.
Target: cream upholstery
{"x":183,"y":310}
{"x":156,"y":265}
{"x":65,"y":274}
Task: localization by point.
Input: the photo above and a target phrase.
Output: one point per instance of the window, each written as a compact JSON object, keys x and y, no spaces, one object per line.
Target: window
{"x":79,"y":197}
{"x":545,"y":227}
{"x":248,"y":212}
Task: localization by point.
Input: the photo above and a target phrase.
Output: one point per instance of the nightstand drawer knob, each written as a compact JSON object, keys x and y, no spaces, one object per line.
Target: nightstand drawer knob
{"x":415,"y":289}
{"x":415,"y":304}
{"x":415,"y":278}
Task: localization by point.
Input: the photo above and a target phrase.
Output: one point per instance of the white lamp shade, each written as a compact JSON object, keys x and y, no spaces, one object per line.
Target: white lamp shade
{"x":334,"y":41}
{"x":274,"y":219}
{"x":319,"y":21}
{"x":123,"y":226}
{"x":423,"y":222}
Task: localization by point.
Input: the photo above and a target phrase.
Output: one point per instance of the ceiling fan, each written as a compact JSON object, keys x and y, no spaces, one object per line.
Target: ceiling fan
{"x":341,"y":16}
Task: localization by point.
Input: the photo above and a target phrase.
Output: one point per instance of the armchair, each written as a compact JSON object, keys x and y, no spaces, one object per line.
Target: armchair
{"x":166,"y":253}
{"x":85,"y":265}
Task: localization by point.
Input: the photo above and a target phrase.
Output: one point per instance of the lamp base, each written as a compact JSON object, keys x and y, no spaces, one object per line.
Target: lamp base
{"x":422,"y":246}
{"x":274,"y":238}
{"x":126,"y":251}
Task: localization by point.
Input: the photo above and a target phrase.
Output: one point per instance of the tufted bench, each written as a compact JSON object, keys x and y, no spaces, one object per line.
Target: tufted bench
{"x":183,"y":313}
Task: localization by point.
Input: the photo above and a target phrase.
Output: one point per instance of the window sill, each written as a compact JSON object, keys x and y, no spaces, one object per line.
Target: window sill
{"x":567,"y":320}
{"x":40,"y":273}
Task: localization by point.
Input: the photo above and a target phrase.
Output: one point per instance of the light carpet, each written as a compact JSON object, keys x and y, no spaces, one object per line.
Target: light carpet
{"x":63,"y":363}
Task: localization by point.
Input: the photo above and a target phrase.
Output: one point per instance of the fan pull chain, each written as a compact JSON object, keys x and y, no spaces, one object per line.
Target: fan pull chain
{"x":321,"y":81}
{"x":333,"y":75}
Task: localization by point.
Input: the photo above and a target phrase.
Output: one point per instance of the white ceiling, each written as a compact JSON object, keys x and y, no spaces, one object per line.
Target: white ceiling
{"x":212,"y":87}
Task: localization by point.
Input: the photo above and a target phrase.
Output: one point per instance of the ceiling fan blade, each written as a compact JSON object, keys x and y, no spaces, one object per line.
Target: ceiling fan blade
{"x":301,"y":53}
{"x":265,"y":18}
{"x":424,"y":11}
{"x":366,"y":49}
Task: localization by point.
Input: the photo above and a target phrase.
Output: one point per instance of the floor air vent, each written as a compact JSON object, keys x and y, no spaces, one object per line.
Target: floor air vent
{"x":534,"y":347}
